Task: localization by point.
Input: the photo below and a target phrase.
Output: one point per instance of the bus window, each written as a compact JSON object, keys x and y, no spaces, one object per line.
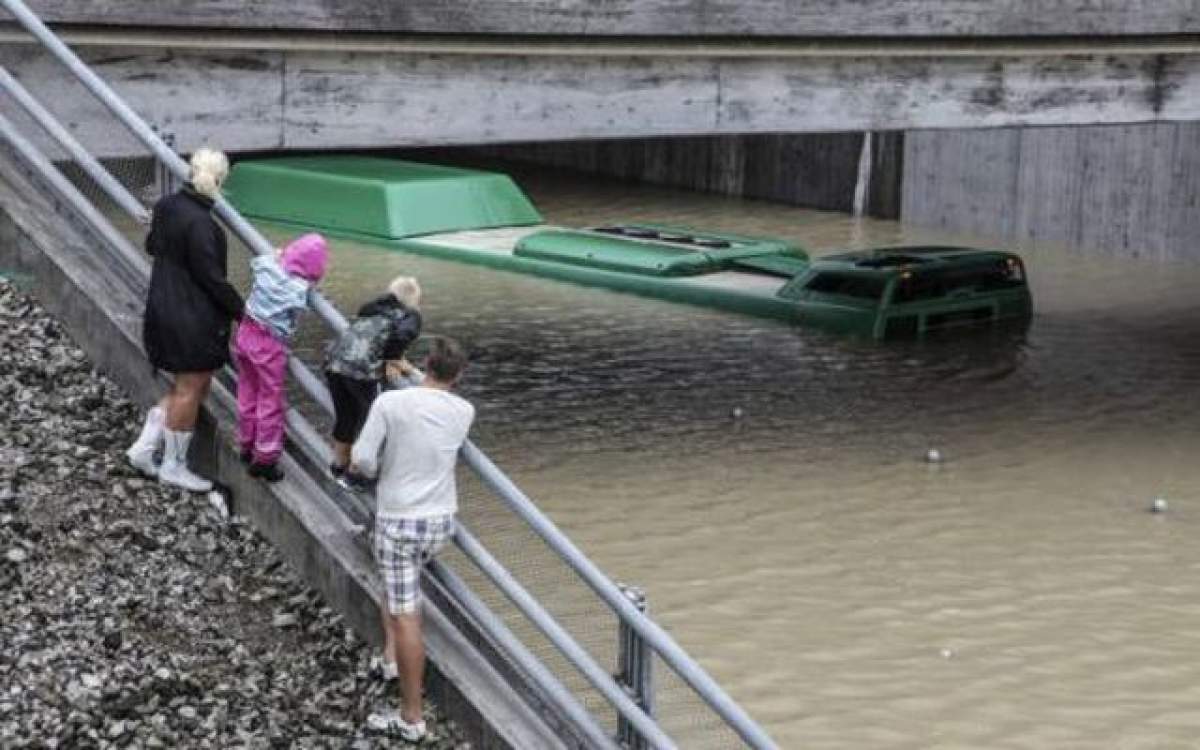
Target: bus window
{"x":862,"y":286}
{"x":925,"y":285}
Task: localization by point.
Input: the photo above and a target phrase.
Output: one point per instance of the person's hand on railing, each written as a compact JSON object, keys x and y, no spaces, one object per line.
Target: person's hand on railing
{"x":397,"y":371}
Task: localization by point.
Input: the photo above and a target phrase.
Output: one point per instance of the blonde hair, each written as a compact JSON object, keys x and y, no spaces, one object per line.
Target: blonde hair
{"x":407,"y":291}
{"x":209,"y":168}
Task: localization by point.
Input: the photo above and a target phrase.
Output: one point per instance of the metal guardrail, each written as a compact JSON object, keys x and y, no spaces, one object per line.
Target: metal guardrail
{"x":553,"y":691}
{"x":86,"y":161}
{"x":636,"y":670}
{"x":638,"y":725}
{"x":516,"y":650}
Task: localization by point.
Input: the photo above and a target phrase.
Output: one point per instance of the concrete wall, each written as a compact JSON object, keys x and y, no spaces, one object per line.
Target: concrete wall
{"x":278,"y":94}
{"x":768,"y":18}
{"x":1128,"y":189}
{"x":813,"y":171}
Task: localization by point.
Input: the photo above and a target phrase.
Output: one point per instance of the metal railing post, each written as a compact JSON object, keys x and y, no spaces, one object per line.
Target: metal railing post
{"x":557,"y":635}
{"x":663,"y":644}
{"x":165,"y":181}
{"x":635,"y":670}
{"x":514,"y":649}
{"x":133,"y":265}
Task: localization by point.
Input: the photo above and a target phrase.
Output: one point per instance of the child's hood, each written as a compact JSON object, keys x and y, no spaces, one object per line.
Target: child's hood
{"x":307,"y":256}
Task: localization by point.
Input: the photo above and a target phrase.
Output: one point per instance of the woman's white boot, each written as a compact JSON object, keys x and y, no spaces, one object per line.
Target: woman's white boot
{"x":174,"y":468}
{"x":141,"y":454}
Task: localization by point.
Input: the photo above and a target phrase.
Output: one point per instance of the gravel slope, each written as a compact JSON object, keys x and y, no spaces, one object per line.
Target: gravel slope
{"x":132,"y":615}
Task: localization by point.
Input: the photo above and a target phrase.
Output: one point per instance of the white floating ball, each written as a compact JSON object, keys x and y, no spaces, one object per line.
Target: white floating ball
{"x":947,"y":653}
{"x":1159,"y":505}
{"x":933,"y":456}
{"x":738,"y":413}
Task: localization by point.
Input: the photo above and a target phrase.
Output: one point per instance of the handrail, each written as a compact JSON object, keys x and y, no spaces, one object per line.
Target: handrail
{"x":658,"y":639}
{"x":86,"y":161}
{"x":562,"y":698}
{"x":561,"y":639}
{"x":662,"y":643}
{"x":132,"y":264}
{"x":554,"y":692}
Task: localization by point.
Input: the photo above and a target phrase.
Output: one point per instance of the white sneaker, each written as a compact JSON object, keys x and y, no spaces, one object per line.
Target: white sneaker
{"x":390,"y":722}
{"x":174,"y":468}
{"x":385,"y":670}
{"x":142,"y":459}
{"x":141,"y":454}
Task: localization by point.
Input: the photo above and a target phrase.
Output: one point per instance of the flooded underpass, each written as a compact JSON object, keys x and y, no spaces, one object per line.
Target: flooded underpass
{"x":767,"y":484}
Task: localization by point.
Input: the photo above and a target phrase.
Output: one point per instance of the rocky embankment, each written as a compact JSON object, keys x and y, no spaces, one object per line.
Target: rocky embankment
{"x":132,"y":615}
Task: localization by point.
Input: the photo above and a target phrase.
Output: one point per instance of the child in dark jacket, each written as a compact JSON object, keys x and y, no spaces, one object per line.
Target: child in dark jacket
{"x":280,"y":292}
{"x":370,"y":351}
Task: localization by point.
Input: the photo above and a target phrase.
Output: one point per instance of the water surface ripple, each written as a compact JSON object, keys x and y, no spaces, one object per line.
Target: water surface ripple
{"x":849,"y":595}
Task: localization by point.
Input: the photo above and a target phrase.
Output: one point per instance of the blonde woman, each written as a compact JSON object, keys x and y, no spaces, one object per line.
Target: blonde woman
{"x":369,"y":351}
{"x":190,"y":309}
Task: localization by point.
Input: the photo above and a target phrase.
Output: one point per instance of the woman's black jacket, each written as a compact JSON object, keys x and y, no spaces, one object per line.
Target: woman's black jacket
{"x":190,"y":304}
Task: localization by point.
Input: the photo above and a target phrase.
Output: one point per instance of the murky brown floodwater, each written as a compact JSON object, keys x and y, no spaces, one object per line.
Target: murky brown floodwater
{"x":849,"y":595}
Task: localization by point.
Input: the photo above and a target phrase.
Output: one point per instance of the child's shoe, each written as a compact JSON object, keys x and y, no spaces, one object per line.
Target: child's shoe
{"x":270,"y":472}
{"x":354,"y":481}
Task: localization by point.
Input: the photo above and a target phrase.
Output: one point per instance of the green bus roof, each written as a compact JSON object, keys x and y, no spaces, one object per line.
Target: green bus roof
{"x":659,"y":250}
{"x":892,"y":261}
{"x":386,"y":198}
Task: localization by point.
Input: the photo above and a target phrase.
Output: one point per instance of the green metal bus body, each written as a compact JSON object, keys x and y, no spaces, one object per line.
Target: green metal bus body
{"x":484,"y":218}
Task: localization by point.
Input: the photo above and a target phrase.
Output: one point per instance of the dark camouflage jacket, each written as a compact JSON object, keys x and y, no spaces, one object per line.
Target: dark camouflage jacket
{"x":382,"y":331}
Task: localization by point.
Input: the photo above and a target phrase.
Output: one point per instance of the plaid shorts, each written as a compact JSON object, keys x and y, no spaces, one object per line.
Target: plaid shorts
{"x":402,"y":548}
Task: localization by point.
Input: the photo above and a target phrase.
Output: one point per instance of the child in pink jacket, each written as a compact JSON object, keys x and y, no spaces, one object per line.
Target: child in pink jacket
{"x":280,"y":292}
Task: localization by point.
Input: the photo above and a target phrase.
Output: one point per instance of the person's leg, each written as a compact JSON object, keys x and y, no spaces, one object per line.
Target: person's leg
{"x":363,"y":393}
{"x":410,"y":659}
{"x":341,"y":423}
{"x":397,"y":553}
{"x":190,"y":390}
{"x":360,"y":395}
{"x":403,"y":549}
{"x":167,"y":402}
{"x":188,"y":393}
{"x":341,"y":454}
{"x":247,"y":393}
{"x":272,"y":406}
{"x":383,"y":665}
{"x":391,"y":558}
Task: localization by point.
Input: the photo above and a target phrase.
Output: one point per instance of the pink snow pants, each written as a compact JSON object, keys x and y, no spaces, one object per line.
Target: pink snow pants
{"x":262,"y":399}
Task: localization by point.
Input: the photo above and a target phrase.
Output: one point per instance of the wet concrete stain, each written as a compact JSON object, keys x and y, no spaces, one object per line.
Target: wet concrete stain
{"x":994,"y":92}
{"x":1162,"y":87}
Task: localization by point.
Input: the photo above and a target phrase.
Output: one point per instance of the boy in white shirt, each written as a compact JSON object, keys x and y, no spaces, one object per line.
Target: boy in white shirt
{"x":419,"y":432}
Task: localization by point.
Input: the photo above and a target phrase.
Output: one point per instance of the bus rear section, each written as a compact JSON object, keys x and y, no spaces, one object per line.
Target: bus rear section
{"x":956,"y":293}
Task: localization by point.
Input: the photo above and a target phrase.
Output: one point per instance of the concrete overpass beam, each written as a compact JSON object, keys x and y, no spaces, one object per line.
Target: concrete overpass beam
{"x":362,"y":93}
{"x":676,"y":18}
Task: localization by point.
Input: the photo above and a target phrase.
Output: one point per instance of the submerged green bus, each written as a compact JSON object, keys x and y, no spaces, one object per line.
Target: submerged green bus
{"x":484,"y":218}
